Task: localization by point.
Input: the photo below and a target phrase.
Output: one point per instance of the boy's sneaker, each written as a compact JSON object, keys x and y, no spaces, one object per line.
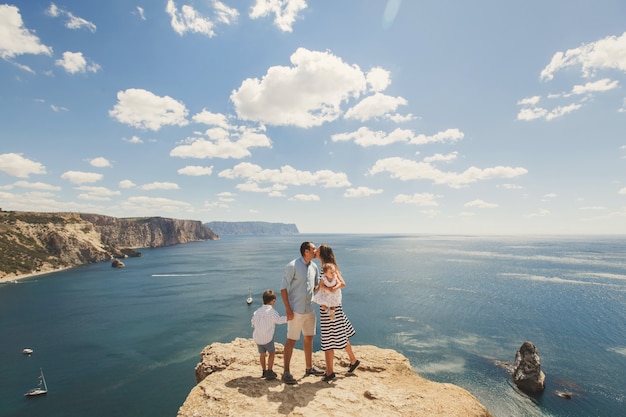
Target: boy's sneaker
{"x":270,"y":375}
{"x":289,"y":379}
{"x":264,"y":374}
{"x":315,"y":371}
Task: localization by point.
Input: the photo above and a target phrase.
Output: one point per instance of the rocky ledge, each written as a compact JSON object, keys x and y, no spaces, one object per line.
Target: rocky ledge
{"x":385,"y":384}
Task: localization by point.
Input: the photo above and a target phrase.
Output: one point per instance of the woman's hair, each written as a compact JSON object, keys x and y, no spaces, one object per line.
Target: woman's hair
{"x":327,"y":255}
{"x":268,"y":296}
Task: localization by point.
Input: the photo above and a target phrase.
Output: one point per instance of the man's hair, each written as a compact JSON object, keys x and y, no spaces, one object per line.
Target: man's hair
{"x":304,"y":247}
{"x":268,"y":296}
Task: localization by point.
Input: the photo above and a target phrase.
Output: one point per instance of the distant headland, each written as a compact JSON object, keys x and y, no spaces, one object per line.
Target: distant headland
{"x":252,"y":228}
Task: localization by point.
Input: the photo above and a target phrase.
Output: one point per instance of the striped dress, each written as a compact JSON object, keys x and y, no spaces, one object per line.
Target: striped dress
{"x":334,"y":334}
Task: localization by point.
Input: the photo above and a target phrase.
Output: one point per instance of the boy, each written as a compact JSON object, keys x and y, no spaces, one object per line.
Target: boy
{"x":264,"y":320}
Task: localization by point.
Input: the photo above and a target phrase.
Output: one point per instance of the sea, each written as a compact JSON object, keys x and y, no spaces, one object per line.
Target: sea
{"x":124,"y":342}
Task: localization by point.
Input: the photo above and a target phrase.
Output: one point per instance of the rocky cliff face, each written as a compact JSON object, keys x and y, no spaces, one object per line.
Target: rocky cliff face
{"x":148,"y":232}
{"x":39,"y":242}
{"x":230,"y":384}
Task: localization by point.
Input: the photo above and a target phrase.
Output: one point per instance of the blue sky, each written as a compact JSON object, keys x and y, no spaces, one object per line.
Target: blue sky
{"x":449,"y":117}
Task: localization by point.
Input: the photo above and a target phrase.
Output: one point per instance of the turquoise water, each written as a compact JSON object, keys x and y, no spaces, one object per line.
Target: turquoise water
{"x":124,"y":342}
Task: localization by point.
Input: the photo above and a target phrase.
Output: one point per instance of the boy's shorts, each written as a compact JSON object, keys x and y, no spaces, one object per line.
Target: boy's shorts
{"x":301,"y":323}
{"x":267,"y":348}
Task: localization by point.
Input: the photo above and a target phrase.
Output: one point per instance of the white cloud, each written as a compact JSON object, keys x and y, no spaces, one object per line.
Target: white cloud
{"x":418,"y":199}
{"x":126,"y":184}
{"x":622,"y":191}
{"x":211,"y":119}
{"x":286,"y":175}
{"x":141,"y":13}
{"x":307,"y":94}
{"x":58,"y":109}
{"x":541,"y":113}
{"x":223,"y":143}
{"x":449,"y":135}
{"x":78,"y":177}
{"x":134,"y":139}
{"x":406,"y":169}
{"x":144,"y":110}
{"x":17,"y":166}
{"x":538,"y":213}
{"x":73,"y":22}
{"x":374,"y":106}
{"x":195,"y":171}
{"x":606,"y":53}
{"x":189,"y":19}
{"x":378,"y":79}
{"x":100,"y":162}
{"x":511,"y":186}
{"x":285,"y":12}
{"x":602,"y":85}
{"x":146,"y":206}
{"x":480,"y":204}
{"x":75,"y":62}
{"x":37,"y":186}
{"x":529,"y":101}
{"x":160,"y":186}
{"x":96,"y":193}
{"x":305,"y":197}
{"x":361,"y":192}
{"x":16,"y":39}
{"x":365,"y":137}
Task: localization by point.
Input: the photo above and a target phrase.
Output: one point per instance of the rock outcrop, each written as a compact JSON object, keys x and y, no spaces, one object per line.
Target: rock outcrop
{"x":253,"y":228}
{"x":527,"y":373}
{"x":230,"y":384}
{"x":33,"y":242}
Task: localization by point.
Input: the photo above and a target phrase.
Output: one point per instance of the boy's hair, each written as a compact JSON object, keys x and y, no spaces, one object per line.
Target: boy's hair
{"x":268,"y":296}
{"x":329,"y":267}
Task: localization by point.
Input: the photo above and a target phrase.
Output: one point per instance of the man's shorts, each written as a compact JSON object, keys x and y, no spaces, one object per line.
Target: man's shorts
{"x":301,"y":323}
{"x":267,"y":348}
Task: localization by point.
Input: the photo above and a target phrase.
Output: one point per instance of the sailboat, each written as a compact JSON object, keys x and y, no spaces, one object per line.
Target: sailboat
{"x":42,"y":388}
{"x":249,"y":299}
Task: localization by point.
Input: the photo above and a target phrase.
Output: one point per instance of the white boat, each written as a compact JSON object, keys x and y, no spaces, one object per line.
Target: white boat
{"x":27,"y":351}
{"x":249,"y":299}
{"x":42,"y":388}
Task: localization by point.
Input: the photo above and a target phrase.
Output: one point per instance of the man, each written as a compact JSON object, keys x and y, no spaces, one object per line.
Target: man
{"x":301,"y":277}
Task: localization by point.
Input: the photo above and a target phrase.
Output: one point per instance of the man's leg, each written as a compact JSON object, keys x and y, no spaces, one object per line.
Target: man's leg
{"x":308,"y":351}
{"x":289,"y":344}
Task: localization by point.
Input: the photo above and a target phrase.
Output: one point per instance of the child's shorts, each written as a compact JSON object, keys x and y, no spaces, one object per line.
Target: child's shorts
{"x":267,"y":348}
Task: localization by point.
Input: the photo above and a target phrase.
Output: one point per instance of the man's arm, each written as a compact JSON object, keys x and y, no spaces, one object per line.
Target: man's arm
{"x":285,"y":297}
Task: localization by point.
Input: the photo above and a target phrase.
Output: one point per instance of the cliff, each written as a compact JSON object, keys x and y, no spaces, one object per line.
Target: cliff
{"x":33,"y":242}
{"x":253,"y":228}
{"x":230,"y":384}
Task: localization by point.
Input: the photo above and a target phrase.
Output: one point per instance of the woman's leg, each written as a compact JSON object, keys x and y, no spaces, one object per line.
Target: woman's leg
{"x":350,"y":353}
{"x":329,"y":355}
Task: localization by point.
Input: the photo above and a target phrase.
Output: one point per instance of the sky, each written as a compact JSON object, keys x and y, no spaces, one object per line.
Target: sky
{"x":344,"y":116}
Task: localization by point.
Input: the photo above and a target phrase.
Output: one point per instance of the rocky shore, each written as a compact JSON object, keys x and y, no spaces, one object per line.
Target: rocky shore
{"x":385,"y":384}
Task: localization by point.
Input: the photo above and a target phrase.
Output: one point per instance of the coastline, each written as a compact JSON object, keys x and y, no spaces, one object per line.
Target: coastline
{"x":14,"y":278}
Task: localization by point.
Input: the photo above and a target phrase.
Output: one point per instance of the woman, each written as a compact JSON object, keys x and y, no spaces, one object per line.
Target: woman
{"x":335,"y":331}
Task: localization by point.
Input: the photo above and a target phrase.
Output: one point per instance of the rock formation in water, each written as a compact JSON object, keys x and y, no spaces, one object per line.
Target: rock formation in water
{"x":253,"y":228}
{"x":230,"y":384}
{"x":527,"y":373}
{"x":40,"y":242}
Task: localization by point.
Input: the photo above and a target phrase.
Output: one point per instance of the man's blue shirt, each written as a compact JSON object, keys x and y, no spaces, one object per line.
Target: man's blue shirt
{"x":299,"y":280}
